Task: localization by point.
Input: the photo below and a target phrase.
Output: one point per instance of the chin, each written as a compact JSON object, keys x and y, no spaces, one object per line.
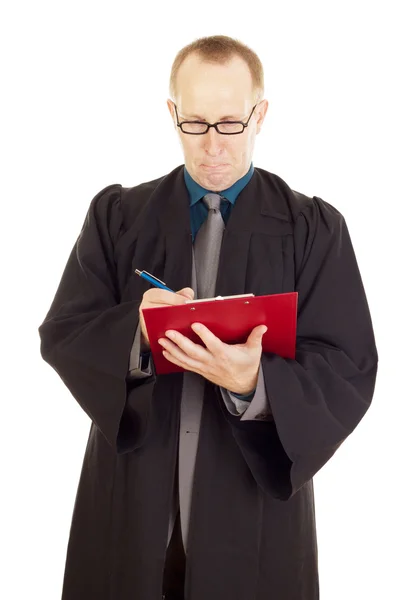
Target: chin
{"x":217,"y":183}
{"x":220,"y":180}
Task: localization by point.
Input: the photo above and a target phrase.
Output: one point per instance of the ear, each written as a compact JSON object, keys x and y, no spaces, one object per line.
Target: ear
{"x":261,"y":111}
{"x":171,"y":107}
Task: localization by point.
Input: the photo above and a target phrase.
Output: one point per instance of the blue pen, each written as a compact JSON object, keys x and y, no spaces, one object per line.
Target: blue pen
{"x":153,"y":280}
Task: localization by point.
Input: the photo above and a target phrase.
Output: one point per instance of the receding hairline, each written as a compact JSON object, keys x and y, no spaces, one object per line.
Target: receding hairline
{"x":220,"y":49}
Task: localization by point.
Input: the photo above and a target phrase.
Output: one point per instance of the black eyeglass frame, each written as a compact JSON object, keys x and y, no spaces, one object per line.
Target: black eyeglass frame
{"x":215,"y":125}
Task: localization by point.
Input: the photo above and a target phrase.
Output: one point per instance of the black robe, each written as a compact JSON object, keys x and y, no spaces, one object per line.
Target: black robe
{"x":252,"y":530}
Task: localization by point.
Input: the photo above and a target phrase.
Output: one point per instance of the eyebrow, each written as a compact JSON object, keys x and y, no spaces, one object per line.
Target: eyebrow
{"x":235,"y":118}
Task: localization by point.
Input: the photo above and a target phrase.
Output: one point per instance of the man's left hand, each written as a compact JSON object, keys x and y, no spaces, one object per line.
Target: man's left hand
{"x":234,"y":367}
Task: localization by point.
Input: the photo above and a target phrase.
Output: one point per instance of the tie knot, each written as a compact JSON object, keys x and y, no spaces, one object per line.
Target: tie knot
{"x":212,"y":201}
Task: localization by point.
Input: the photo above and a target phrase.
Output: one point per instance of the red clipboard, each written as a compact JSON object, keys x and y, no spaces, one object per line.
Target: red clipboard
{"x":231,"y":319}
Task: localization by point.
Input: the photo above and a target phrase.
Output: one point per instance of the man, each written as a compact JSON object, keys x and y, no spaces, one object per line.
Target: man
{"x":198,"y":484}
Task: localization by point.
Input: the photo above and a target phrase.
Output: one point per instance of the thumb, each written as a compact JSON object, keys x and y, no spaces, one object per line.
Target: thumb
{"x":187,"y":292}
{"x":255,"y":337}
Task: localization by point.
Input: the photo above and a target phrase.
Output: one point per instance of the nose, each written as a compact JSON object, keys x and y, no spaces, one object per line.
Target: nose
{"x":213,"y":142}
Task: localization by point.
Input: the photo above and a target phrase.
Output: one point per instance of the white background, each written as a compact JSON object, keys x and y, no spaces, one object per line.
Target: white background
{"x":84,"y":96}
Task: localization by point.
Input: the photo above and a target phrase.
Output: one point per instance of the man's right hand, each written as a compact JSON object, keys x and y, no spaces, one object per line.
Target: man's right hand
{"x":157,"y":297}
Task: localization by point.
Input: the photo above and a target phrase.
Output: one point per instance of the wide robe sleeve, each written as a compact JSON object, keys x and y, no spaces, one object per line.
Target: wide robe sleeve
{"x":87,"y":335}
{"x":317,"y":399}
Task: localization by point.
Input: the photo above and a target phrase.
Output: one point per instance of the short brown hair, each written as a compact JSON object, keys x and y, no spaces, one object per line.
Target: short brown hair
{"x":220,"y":49}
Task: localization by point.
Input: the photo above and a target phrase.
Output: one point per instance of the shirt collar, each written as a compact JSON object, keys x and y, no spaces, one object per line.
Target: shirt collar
{"x":196,"y":191}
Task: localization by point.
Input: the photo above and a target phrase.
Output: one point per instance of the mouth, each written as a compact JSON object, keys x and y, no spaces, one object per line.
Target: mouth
{"x":211,"y":167}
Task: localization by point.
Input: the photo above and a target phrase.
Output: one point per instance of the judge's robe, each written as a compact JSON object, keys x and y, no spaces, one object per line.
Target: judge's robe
{"x":252,"y":528}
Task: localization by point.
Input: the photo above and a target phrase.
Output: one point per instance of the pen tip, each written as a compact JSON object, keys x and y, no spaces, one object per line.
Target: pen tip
{"x":137,"y":271}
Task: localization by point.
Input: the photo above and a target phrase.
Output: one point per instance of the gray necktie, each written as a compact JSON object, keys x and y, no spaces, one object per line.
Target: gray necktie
{"x":207,"y":247}
{"x":206,"y":261}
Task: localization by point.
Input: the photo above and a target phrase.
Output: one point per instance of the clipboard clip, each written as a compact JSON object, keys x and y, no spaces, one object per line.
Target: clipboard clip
{"x":220,"y":298}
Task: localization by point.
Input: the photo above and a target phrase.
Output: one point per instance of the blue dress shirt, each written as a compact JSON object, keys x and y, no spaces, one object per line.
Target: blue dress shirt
{"x":198,"y":209}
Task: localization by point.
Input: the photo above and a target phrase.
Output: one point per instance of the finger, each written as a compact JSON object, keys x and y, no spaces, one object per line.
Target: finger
{"x":212,"y":343}
{"x":255,"y":338}
{"x":176,"y":355}
{"x":187,"y":293}
{"x":172,"y":359}
{"x":192,"y":350}
{"x":185,"y":364}
{"x":158,"y":297}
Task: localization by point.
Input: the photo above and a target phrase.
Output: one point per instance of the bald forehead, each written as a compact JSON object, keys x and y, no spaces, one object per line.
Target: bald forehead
{"x":194,"y":70}
{"x":207,"y":90}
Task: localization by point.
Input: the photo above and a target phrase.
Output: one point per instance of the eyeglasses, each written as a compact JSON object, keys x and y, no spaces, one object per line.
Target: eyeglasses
{"x":223,"y":127}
